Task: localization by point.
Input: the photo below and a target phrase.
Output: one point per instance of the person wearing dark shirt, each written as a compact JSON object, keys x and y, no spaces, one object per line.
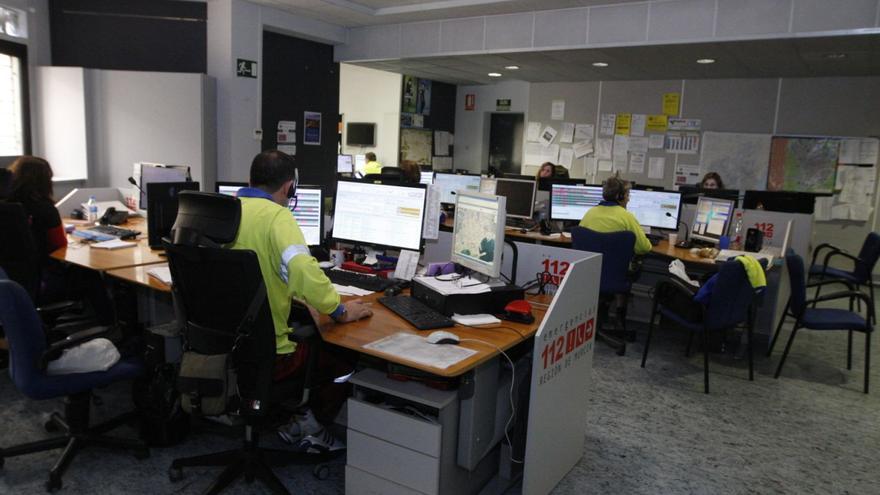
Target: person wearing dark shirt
{"x":32,"y":187}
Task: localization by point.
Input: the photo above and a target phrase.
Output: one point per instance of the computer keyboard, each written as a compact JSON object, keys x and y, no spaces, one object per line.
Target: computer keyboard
{"x":115,"y":231}
{"x":655,"y":239}
{"x":416,"y":312}
{"x":359,"y":280}
{"x":519,"y":223}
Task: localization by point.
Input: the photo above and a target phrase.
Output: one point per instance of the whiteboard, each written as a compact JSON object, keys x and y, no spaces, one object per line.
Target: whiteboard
{"x":742,"y":160}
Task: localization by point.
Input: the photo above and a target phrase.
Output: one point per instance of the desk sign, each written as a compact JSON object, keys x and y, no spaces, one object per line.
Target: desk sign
{"x":562,"y":365}
{"x":246,"y":68}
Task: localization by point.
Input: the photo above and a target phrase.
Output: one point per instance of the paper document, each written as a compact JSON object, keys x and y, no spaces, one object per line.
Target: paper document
{"x":471,"y":320}
{"x":407,"y":262}
{"x":431,"y":229}
{"x":533,"y":131}
{"x":638,"y":124}
{"x":582,"y":148}
{"x":448,"y":284}
{"x":416,"y":349}
{"x":557,"y":110}
{"x":113,"y":244}
{"x":547,"y":136}
{"x":822,"y":208}
{"x":655,"y":141}
{"x":638,"y":144}
{"x":348,"y":290}
{"x":656,"y":167}
{"x":603,"y":148}
{"x":161,"y":273}
{"x":584,"y":131}
{"x":637,"y":163}
{"x":607,"y":124}
{"x":565,"y":157}
{"x":567,"y":133}
{"x":604,"y":165}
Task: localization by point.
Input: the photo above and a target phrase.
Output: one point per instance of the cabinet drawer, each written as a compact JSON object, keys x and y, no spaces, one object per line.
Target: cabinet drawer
{"x":397,"y":428}
{"x":393,"y":462}
{"x":358,"y":482}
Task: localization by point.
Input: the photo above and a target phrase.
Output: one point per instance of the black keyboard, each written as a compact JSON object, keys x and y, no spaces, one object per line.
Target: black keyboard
{"x":519,"y":223}
{"x":359,"y":280}
{"x":416,"y":312}
{"x":655,"y":239}
{"x":116,"y":231}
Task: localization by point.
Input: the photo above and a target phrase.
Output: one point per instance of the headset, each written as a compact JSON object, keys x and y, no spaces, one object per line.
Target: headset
{"x":291,"y":193}
{"x":619,"y":188}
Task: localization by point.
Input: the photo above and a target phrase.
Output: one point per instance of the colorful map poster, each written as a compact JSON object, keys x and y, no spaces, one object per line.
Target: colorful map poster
{"x":803,"y":164}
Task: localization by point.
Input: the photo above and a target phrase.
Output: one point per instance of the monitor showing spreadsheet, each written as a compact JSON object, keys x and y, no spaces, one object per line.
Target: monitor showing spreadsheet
{"x":307,"y":208}
{"x":229,"y":188}
{"x":450,"y":183}
{"x":712,"y":219}
{"x":573,"y":202}
{"x":382,"y":215}
{"x":344,"y":164}
{"x":655,"y":209}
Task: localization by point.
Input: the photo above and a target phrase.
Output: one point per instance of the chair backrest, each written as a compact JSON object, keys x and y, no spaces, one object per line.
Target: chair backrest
{"x":24,"y":333}
{"x":18,"y":252}
{"x":731,"y":298}
{"x":617,"y":249}
{"x":797,"y":282}
{"x":869,"y":254}
{"x":560,"y":172}
{"x":392,"y":172}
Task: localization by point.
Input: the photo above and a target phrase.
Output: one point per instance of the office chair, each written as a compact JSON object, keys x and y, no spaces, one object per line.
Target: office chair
{"x":204,"y":273}
{"x":29,"y":359}
{"x":560,"y":172}
{"x":384,"y":178}
{"x":390,"y":172}
{"x":731,"y":303}
{"x":617,"y":276}
{"x":812,"y":318}
{"x":861,"y":273}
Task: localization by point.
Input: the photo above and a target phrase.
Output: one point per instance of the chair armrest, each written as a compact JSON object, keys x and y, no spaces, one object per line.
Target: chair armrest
{"x":818,"y":249}
{"x":829,"y":282}
{"x":58,"y":307}
{"x":850,"y":294}
{"x":839,"y":252}
{"x":54,"y":351}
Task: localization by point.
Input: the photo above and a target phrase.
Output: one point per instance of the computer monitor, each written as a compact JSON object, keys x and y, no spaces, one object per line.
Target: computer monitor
{"x":520,"y":196}
{"x":546,"y":183}
{"x":451,"y":183}
{"x":162,"y":208}
{"x":152,"y":173}
{"x":427,"y":177}
{"x":690,"y":194}
{"x":571,"y":203}
{"x":360,"y":163}
{"x":344,"y":164}
{"x":229,"y":188}
{"x":783,"y":201}
{"x":381,"y":215}
{"x":307,"y":208}
{"x":478,"y":232}
{"x":655,"y":209}
{"x":712,"y":218}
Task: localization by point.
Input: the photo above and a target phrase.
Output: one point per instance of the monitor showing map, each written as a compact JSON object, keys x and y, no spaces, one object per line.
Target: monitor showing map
{"x":478,"y":232}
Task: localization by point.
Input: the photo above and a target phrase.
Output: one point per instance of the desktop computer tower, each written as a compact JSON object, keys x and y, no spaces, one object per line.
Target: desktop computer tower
{"x":492,"y":302}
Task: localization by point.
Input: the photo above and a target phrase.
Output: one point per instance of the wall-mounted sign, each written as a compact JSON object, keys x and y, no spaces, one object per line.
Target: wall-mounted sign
{"x":312,"y":128}
{"x":470,"y":102}
{"x":246,"y":68}
{"x":502,"y":105}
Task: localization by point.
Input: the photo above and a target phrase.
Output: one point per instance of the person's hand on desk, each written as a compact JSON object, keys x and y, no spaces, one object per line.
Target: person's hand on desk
{"x":353,"y":311}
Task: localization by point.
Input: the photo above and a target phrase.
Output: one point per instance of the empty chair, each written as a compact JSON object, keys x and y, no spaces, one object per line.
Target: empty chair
{"x":862,"y":265}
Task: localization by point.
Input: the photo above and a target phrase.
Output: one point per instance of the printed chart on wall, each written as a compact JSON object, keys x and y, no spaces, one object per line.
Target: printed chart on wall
{"x":741,"y":159}
{"x":416,"y":145}
{"x":803,"y":164}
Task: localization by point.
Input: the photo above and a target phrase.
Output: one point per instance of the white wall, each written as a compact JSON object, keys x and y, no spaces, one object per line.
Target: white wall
{"x":59,"y":114}
{"x":369,"y":95}
{"x":235,"y":30}
{"x":472,"y":127}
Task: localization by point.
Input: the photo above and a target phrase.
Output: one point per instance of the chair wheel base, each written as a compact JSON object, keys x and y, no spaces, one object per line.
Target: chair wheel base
{"x":321,"y":471}
{"x":175,"y":474}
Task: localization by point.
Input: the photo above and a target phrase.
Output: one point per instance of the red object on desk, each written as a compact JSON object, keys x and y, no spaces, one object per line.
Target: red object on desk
{"x":355,"y":267}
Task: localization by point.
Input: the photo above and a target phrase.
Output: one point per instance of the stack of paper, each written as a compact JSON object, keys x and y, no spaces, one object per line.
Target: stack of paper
{"x":348,"y":290}
{"x":445,"y":286}
{"x":161,"y":273}
{"x":113,"y":244}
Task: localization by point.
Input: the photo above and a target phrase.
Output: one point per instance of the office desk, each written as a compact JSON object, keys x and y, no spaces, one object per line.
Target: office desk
{"x":138,"y":275}
{"x":101,"y":260}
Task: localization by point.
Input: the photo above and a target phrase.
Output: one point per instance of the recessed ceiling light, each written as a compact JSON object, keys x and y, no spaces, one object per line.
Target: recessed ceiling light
{"x":494,"y":74}
{"x":600,"y":64}
{"x":705,"y":60}
{"x":511,"y":67}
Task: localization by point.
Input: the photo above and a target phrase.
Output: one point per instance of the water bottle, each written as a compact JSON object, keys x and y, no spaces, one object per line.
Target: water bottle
{"x":736,"y":239}
{"x":92,"y":210}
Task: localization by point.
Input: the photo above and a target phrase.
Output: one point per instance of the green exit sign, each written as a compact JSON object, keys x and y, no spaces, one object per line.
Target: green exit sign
{"x":246,"y":68}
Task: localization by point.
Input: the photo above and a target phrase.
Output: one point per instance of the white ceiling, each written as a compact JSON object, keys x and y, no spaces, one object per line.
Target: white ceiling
{"x":804,"y":57}
{"x":353,"y":13}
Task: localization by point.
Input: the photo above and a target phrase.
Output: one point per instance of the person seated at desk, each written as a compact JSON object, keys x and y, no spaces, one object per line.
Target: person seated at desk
{"x":712,"y":180}
{"x":372,"y":166}
{"x":289,"y":271}
{"x":410,"y":172}
{"x":610,"y":215}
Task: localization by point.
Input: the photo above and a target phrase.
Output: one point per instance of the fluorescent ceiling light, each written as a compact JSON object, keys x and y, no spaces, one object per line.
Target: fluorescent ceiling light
{"x":600,"y":64}
{"x":511,"y":67}
{"x":494,"y":74}
{"x":705,"y":61}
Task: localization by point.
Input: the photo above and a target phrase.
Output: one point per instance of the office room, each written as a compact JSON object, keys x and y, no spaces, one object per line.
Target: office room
{"x":455,"y":246}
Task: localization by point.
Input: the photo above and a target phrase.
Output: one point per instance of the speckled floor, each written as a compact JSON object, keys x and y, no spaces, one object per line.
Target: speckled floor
{"x":650,"y":431}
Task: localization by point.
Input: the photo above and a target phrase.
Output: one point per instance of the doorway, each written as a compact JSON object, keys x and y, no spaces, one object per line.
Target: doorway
{"x":505,"y":142}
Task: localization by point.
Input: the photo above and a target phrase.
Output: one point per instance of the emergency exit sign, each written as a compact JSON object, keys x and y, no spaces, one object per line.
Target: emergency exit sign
{"x":246,"y":68}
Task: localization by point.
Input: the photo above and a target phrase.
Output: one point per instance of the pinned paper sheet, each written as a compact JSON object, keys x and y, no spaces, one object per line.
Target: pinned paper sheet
{"x":533,"y":131}
{"x":603,"y":148}
{"x":621,"y":144}
{"x":656,"y":123}
{"x":687,"y":143}
{"x":590,"y":164}
{"x":638,"y":144}
{"x":859,"y":151}
{"x":603,"y":165}
{"x":547,"y":136}
{"x":565,"y":157}
{"x":583,"y":148}
{"x":656,"y":167}
{"x":638,"y":124}
{"x":840,"y":212}
{"x":655,"y":141}
{"x":536,"y":154}
{"x":606,"y":124}
{"x":557,"y":110}
{"x":619,"y":161}
{"x":584,"y":131}
{"x":567,"y":133}
{"x":822,"y":208}
{"x":860,"y":213}
{"x":636,"y":163}
{"x":624,"y":124}
{"x":431,"y":229}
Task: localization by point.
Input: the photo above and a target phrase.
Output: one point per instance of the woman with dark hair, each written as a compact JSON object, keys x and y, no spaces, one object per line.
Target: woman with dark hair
{"x":712,"y":180}
{"x":410,"y":171}
{"x":547,"y":171}
{"x":32,"y":187}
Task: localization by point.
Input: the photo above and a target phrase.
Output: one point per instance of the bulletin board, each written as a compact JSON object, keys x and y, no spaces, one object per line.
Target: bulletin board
{"x":416,"y":145}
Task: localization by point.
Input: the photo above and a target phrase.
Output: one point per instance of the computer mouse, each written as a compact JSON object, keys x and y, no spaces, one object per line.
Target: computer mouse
{"x":393,"y":291}
{"x":441,"y":337}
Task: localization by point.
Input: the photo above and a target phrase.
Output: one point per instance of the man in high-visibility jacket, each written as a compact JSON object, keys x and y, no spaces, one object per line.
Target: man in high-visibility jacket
{"x":289,"y":271}
{"x":372,"y":166}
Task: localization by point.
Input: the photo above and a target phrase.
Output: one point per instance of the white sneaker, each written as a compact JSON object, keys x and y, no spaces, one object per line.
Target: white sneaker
{"x":320,"y":443}
{"x":300,"y":426}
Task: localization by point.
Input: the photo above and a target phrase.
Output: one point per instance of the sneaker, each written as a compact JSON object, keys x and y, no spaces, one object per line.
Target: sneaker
{"x":321,"y":442}
{"x":300,"y":426}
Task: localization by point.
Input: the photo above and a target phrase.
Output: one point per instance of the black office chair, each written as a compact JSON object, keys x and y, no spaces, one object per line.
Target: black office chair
{"x":560,"y":172}
{"x":617,"y":275}
{"x":861,"y":274}
{"x":222,"y":305}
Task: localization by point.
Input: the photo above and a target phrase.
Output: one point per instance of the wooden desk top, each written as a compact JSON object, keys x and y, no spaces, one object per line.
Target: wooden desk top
{"x":81,"y":254}
{"x":138,"y":275}
{"x":383,"y":323}
{"x":670,"y":251}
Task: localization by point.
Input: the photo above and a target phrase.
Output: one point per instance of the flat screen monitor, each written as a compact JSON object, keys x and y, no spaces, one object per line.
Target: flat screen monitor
{"x":573,"y":202}
{"x":478,"y":232}
{"x":229,"y":188}
{"x":381,"y":215}
{"x":360,"y":163}
{"x":307,"y":208}
{"x":690,"y":194}
{"x":546,"y":183}
{"x":520,"y":196}
{"x":162,"y":208}
{"x":712,"y":218}
{"x":152,"y":173}
{"x":344,"y":164}
{"x":360,"y":134}
{"x":655,"y":209}
{"x":427,"y":177}
{"x":784,"y":201}
{"x":451,"y":183}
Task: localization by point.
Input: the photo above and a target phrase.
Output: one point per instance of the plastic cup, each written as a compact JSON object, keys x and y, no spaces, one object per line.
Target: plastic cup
{"x":673,"y":239}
